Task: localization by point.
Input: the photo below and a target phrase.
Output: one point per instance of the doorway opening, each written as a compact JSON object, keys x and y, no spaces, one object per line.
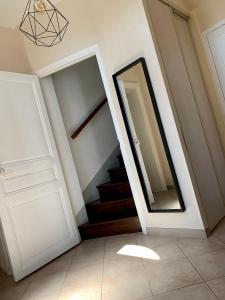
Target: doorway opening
{"x":106,"y":206}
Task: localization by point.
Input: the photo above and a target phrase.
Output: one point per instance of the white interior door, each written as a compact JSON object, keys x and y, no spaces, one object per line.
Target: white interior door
{"x":136,"y":141}
{"x":35,"y":210}
{"x":201,"y":97}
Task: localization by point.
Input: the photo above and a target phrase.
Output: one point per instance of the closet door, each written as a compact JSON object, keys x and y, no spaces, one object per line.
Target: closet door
{"x":173,"y":40}
{"x":201,"y":98}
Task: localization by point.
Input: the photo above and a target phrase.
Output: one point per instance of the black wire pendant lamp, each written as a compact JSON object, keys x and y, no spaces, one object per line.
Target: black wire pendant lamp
{"x":43,"y":23}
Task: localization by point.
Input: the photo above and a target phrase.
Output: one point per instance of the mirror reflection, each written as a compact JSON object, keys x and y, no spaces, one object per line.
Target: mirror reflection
{"x":147,"y":138}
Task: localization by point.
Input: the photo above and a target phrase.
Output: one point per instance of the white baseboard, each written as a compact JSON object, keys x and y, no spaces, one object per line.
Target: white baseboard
{"x":178,"y":232}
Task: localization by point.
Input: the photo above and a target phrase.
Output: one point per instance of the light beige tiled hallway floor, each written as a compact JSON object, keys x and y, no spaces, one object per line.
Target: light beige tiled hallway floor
{"x":131,"y":267}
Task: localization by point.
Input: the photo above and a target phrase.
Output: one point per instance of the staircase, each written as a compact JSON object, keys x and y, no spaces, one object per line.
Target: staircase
{"x":115,"y":212}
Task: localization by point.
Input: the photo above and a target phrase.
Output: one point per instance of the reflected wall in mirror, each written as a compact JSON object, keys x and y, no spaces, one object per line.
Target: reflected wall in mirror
{"x":147,"y":138}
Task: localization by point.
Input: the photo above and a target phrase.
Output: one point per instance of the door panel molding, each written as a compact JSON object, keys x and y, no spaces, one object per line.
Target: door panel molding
{"x":30,"y":179}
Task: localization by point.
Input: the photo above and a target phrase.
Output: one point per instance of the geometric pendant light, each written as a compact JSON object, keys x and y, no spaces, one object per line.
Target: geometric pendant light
{"x":43,"y":23}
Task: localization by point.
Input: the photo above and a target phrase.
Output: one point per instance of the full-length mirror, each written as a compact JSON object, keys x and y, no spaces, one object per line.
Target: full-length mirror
{"x":147,"y":138}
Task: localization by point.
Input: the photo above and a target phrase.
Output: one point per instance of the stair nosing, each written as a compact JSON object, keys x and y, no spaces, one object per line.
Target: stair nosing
{"x":117,"y":168}
{"x":109,"y":202}
{"x":108,"y":221}
{"x":113,"y":183}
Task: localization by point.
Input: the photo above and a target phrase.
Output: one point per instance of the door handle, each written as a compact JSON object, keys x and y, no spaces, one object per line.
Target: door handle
{"x":136,"y":141}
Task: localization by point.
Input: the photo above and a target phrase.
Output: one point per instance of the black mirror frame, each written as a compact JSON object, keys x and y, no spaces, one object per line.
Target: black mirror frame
{"x":163,"y":136}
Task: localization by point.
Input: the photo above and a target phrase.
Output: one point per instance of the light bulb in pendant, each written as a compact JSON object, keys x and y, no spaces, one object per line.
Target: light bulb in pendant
{"x":39,"y":6}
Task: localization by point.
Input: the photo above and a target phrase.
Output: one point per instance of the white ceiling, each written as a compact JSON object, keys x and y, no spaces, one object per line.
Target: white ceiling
{"x":11,"y":12}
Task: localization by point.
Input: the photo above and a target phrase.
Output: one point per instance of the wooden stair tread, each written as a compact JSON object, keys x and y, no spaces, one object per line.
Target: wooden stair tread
{"x":99,"y":202}
{"x":110,"y":191}
{"x":109,"y":184}
{"x":118,"y":174}
{"x":99,"y":211}
{"x":88,"y":224}
{"x":108,"y":228}
{"x":117,"y":168}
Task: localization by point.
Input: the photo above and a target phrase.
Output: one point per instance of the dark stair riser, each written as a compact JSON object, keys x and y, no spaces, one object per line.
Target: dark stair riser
{"x":118,"y":175}
{"x":116,"y":191}
{"x":102,"y":211}
{"x":122,"y":226}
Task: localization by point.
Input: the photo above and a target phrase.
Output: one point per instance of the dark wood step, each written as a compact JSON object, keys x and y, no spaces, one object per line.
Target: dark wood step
{"x":115,"y":227}
{"x":114,"y":191}
{"x":118,"y":174}
{"x":120,"y":158}
{"x":111,"y":210}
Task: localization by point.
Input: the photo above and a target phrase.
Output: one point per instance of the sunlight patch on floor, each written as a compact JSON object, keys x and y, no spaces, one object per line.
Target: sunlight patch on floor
{"x":139,"y":251}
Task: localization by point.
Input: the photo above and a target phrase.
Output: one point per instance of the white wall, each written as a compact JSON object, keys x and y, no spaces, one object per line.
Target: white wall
{"x":122,"y":32}
{"x":13,"y":57}
{"x":79,"y":90}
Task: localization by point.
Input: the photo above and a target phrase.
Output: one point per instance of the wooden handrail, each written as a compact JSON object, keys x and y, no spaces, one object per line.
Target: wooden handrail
{"x":89,"y":118}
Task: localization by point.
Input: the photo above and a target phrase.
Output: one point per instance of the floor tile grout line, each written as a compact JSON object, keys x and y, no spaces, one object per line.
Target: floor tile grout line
{"x":179,"y":289}
{"x":144,"y":266}
{"x":4,"y":280}
{"x":172,"y":289}
{"x":148,"y":280}
{"x":103,"y":270}
{"x":140,"y":260}
{"x":207,"y":283}
{"x":184,"y":256}
{"x":215,"y":235}
{"x":25,"y":290}
{"x":187,"y":257}
{"x":212,"y":290}
{"x":204,"y":281}
{"x":203,"y":253}
{"x":220,"y":277}
{"x":65,"y":276}
{"x":146,"y":274}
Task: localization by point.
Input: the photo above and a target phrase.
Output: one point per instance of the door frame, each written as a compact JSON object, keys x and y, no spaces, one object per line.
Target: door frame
{"x":210,"y":59}
{"x":93,"y":51}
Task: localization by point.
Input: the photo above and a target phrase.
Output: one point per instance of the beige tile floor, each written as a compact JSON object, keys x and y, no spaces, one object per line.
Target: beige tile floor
{"x":130,"y":267}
